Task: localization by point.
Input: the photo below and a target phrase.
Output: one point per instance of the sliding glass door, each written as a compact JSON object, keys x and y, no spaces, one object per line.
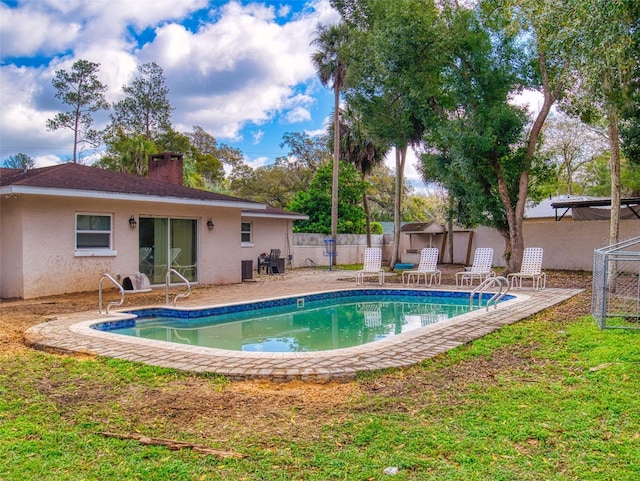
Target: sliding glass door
{"x":168,"y":243}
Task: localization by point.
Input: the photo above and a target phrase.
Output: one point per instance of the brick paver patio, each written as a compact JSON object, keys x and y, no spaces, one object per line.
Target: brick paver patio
{"x":72,"y":333}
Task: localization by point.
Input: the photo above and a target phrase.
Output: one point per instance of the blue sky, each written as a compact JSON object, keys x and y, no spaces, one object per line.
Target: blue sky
{"x":239,"y":69}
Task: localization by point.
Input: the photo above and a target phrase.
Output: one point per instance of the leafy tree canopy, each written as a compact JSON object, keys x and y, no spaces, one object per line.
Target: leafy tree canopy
{"x":81,"y":90}
{"x":479,"y":143}
{"x":316,"y":202}
{"x":145,"y":110}
{"x":19,"y":161}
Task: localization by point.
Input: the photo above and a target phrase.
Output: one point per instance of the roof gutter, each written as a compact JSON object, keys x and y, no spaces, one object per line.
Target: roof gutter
{"x":275,"y":216}
{"x":92,"y":194}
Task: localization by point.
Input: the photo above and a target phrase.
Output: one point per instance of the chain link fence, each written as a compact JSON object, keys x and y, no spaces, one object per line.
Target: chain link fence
{"x":616,"y":285}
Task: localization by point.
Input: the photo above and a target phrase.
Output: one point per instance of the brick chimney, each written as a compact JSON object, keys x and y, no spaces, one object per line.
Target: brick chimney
{"x":166,"y":167}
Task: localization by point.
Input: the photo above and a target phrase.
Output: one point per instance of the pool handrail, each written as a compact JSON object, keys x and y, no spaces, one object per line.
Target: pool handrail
{"x":497,"y":297}
{"x":179,"y":295}
{"x":112,"y":303}
{"x":484,"y":285}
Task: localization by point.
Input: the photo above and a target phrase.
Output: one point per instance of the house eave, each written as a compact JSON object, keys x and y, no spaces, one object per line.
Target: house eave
{"x":13,"y":190}
{"x":275,"y":216}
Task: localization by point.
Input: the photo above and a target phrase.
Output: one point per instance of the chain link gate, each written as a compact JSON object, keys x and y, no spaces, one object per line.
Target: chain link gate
{"x":616,"y":285}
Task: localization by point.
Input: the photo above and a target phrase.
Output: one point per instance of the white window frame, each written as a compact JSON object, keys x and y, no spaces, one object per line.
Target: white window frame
{"x":94,"y":251}
{"x":248,"y":243}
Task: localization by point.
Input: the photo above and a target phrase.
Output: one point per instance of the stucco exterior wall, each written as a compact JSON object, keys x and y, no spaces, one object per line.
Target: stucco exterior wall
{"x":567,"y":245}
{"x":11,"y":220}
{"x":219,"y":248}
{"x":267,"y":234}
{"x":43,"y":261}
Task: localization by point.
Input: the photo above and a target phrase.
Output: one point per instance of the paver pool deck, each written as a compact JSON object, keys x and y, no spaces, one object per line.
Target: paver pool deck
{"x":72,"y":333}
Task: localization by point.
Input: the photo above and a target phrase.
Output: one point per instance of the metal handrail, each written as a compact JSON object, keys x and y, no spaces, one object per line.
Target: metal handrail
{"x":479,"y":290}
{"x":484,"y":285}
{"x":179,"y":295}
{"x":112,"y":303}
{"x":498,"y":295}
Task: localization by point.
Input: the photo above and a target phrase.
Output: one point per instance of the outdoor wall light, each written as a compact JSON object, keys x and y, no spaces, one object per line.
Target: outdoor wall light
{"x":210,"y":224}
{"x":132,"y":222}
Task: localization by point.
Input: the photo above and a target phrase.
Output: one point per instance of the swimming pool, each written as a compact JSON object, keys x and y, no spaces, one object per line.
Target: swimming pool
{"x":309,"y":323}
{"x":74,"y":333}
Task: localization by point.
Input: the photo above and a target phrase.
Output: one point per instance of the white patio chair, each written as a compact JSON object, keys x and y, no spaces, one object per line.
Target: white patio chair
{"x":481,"y":268}
{"x":372,"y":265}
{"x":428,"y":266}
{"x":531,"y":267}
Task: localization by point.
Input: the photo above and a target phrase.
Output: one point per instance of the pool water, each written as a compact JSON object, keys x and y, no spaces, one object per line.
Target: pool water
{"x":317,"y":322}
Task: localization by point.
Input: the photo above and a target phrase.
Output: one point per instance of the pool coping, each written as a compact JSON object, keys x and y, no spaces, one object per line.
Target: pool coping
{"x":72,"y":333}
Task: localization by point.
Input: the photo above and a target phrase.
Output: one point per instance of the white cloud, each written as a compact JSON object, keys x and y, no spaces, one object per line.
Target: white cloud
{"x":47,"y":160}
{"x":284,"y":10}
{"x":298,"y":114}
{"x":257,"y":162}
{"x":241,"y":69}
{"x":29,"y":30}
{"x":229,"y":67}
{"x":257,"y":136}
{"x":22,"y":120}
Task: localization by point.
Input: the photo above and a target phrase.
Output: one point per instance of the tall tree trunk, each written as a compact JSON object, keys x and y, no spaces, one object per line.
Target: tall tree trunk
{"x":336,"y":168}
{"x":614,"y":165}
{"x":75,"y":137}
{"x":450,"y":227}
{"x":401,"y":157}
{"x":514,"y":256}
{"x":514,"y":240}
{"x":367,"y":214}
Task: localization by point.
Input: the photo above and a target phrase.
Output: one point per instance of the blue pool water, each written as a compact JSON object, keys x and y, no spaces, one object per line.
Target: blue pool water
{"x":316,"y":322}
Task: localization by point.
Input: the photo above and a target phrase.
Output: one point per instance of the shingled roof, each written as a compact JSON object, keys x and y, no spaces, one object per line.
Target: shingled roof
{"x":74,"y":180}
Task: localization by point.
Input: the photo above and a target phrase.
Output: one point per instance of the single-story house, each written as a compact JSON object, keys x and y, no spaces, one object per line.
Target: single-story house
{"x":63,"y":227}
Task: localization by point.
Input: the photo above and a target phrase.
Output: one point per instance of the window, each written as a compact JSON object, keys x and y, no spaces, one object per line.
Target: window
{"x":93,"y":233}
{"x":245,"y":234}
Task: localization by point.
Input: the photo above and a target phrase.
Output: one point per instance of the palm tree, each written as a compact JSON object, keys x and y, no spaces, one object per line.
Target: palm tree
{"x":330,"y":68}
{"x":135,"y":151}
{"x":359,"y":147}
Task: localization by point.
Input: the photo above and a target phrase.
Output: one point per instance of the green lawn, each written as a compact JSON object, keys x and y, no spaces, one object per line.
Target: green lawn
{"x":548,"y":398}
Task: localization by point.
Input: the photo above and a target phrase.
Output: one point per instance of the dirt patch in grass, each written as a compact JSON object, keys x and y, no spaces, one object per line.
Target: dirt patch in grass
{"x":243,"y":409}
{"x":196,"y":405}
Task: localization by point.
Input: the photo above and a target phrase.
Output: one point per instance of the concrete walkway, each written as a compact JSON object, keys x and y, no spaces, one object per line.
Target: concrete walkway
{"x":72,"y":333}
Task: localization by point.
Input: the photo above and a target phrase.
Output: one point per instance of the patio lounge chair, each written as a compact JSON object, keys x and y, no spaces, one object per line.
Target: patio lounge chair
{"x":481,"y":268}
{"x":428,"y":266}
{"x":531,"y":267}
{"x":372,"y":265}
